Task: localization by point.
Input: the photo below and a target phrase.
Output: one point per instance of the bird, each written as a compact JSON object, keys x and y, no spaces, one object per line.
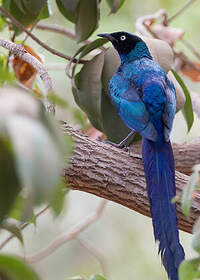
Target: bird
{"x":145,"y":99}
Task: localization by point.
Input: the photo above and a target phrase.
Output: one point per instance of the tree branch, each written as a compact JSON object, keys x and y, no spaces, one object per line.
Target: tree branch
{"x":19,"y":51}
{"x":68,"y":236}
{"x":182,"y":9}
{"x":51,"y":50}
{"x":108,"y":172}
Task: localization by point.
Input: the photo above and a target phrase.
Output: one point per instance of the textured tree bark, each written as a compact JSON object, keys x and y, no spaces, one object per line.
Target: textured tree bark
{"x":111,"y":173}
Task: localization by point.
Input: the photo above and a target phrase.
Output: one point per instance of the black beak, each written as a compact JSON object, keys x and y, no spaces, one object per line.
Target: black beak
{"x":107,"y":36}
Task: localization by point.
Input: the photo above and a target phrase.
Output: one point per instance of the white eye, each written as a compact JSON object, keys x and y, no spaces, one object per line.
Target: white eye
{"x":123,"y":37}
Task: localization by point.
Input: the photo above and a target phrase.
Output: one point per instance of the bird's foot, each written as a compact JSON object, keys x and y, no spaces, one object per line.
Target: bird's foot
{"x":120,"y":146}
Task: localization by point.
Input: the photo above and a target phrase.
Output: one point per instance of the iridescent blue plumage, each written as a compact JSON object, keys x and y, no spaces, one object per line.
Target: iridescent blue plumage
{"x":145,"y":99}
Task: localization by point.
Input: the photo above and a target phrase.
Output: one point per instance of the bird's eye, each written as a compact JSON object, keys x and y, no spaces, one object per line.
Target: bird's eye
{"x":123,"y":37}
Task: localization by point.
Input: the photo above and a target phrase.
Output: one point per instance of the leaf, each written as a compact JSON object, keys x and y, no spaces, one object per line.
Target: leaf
{"x":25,"y":11}
{"x":191,"y":72}
{"x":84,"y":50}
{"x":189,"y":190}
{"x":58,"y":200}
{"x":45,"y":12}
{"x":196,"y":236}
{"x":88,"y":17}
{"x":16,"y":268}
{"x":14,"y":230}
{"x":189,"y":269}
{"x":68,"y":9}
{"x":115,"y":5}
{"x":9,"y":180}
{"x":97,"y":277}
{"x":22,"y":210}
{"x":23,"y":70}
{"x":38,"y":161}
{"x":87,"y":89}
{"x":187,"y":109}
{"x":57,"y":100}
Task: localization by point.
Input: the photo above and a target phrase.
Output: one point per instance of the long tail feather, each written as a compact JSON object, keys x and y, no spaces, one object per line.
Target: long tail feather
{"x":159,"y":170}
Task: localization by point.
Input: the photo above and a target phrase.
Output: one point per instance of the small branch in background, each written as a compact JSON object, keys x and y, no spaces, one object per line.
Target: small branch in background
{"x":192,"y":49}
{"x":51,"y":50}
{"x":181,"y":10}
{"x":62,"y":30}
{"x":95,"y":253}
{"x":69,"y":235}
{"x":19,"y":51}
{"x":21,"y":227}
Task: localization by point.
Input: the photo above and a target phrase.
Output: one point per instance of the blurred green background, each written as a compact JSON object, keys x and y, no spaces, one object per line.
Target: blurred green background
{"x":123,"y":237}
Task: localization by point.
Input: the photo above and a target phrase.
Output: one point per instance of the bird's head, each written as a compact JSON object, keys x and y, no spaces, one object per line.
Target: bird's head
{"x":125,"y":43}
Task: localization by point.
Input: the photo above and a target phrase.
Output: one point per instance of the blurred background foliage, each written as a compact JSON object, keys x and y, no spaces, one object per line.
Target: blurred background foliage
{"x":123,"y":237}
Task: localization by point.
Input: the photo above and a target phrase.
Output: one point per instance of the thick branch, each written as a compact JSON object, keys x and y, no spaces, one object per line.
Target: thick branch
{"x":108,"y":172}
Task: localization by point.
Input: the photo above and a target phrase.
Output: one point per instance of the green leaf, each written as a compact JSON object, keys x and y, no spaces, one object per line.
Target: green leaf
{"x":39,"y":162}
{"x":115,"y":5}
{"x":187,"y":109}
{"x":88,"y":18}
{"x":14,"y":230}
{"x":45,"y":12}
{"x":58,"y":200}
{"x":97,"y":277}
{"x":68,"y":9}
{"x":87,"y":89}
{"x":5,"y":75}
{"x":9,"y":180}
{"x":25,"y":11}
{"x":2,"y":23}
{"x":189,"y":269}
{"x":16,"y":268}
{"x":196,"y":236}
{"x":189,"y":190}
{"x":57,"y":100}
{"x":22,"y":210}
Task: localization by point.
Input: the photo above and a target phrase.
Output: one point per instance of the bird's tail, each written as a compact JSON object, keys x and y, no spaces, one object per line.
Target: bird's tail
{"x":159,"y":170}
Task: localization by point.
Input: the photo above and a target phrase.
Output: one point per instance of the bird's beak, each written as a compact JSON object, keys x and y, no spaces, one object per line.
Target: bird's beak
{"x":107,"y":36}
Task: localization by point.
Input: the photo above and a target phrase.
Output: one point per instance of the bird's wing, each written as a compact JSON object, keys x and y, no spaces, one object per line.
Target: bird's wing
{"x":170,"y":108}
{"x":133,"y":112}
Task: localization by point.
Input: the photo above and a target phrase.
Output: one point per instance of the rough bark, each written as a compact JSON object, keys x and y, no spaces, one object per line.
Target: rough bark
{"x":108,"y":172}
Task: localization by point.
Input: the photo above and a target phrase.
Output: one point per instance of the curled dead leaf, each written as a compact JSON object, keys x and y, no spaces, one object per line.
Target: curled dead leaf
{"x":24,"y":71}
{"x":167,"y":33}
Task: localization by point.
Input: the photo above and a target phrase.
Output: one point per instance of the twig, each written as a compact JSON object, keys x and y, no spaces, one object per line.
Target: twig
{"x":51,"y":50}
{"x":62,"y":30}
{"x":19,"y":51}
{"x":68,"y":236}
{"x":21,"y":227}
{"x":192,"y":49}
{"x":94,"y":252}
{"x":185,"y":6}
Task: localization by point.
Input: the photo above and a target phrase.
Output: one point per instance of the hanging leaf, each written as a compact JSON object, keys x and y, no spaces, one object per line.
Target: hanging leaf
{"x":68,"y":9}
{"x":87,"y":89}
{"x":9,"y":180}
{"x":16,"y":268}
{"x":189,"y":190}
{"x":23,"y":70}
{"x":115,"y":5}
{"x":189,"y":269}
{"x":14,"y":230}
{"x":57,"y":203}
{"x":22,"y":210}
{"x":187,"y":109}
{"x":88,"y":18}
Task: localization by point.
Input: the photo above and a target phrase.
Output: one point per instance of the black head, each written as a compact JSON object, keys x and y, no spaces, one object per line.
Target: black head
{"x":123,"y":42}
